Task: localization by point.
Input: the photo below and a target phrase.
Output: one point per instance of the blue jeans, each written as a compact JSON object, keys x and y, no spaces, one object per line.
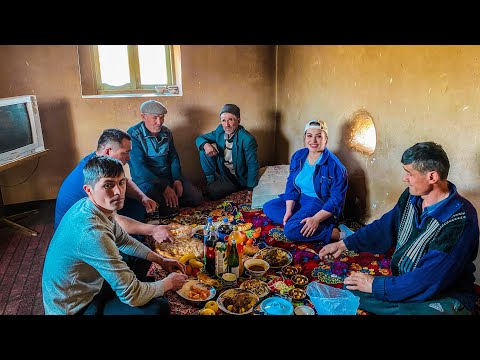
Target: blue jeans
{"x":106,"y":302}
{"x":306,"y":207}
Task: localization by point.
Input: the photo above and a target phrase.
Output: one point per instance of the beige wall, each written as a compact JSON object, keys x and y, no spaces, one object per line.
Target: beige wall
{"x":212,"y":76}
{"x":414,"y":93}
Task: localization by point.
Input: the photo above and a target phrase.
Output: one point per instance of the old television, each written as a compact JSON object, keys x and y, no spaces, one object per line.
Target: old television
{"x":20,"y":128}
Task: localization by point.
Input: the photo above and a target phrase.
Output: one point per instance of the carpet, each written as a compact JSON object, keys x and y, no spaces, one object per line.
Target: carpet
{"x":305,"y":255}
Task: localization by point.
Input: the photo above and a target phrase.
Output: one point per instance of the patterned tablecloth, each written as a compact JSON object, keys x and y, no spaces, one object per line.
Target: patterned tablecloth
{"x":305,"y":255}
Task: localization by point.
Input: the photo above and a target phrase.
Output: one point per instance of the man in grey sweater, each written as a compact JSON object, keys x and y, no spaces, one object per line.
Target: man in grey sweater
{"x":84,"y":255}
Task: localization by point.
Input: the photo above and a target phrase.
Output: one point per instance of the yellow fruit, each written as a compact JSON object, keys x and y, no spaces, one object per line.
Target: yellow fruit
{"x":186,"y":257}
{"x":195,"y":263}
{"x":211,"y":305}
{"x":206,"y":312}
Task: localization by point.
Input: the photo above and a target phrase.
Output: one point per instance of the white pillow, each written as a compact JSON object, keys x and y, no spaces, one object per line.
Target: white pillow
{"x":271,"y":184}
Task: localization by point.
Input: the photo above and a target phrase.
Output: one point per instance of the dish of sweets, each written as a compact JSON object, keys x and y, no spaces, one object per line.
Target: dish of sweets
{"x":196,"y":291}
{"x":258,"y":287}
{"x":276,"y":257}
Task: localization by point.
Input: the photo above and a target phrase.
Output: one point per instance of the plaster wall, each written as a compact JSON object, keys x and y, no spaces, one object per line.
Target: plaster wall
{"x":211,"y":76}
{"x":414,"y":93}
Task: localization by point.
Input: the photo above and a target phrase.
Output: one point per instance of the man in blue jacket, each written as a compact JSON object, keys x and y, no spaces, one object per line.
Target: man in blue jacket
{"x":155,"y":164}
{"x":228,"y":155}
{"x":435,"y":234}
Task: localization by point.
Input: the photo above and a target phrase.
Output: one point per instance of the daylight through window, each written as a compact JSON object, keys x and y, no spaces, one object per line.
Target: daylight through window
{"x":132,"y":68}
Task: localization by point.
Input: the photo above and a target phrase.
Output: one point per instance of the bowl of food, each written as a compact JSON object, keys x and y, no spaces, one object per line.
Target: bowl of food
{"x":289,"y":270}
{"x":256,"y":286}
{"x":300,"y":280}
{"x":229,"y":279}
{"x":256,"y":268}
{"x":237,"y":301}
{"x":297,"y":294}
{"x":276,"y":257}
{"x":304,"y":310}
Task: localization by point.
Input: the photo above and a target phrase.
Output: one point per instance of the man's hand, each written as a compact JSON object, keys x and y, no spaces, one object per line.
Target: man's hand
{"x":162,"y":233}
{"x":172,"y":265}
{"x":149,"y":204}
{"x":174,"y":281}
{"x":170,"y":197}
{"x":210,"y":150}
{"x":333,"y":249}
{"x":359,"y":281}
{"x":311,"y":225}
{"x":178,"y":187}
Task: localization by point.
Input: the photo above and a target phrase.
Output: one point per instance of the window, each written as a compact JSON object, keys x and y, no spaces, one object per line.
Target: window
{"x":129,"y":69}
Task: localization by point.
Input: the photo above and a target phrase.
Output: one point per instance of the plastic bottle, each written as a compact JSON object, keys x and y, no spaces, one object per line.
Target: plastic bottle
{"x":224,"y":229}
{"x":206,"y":233}
{"x":210,"y":251}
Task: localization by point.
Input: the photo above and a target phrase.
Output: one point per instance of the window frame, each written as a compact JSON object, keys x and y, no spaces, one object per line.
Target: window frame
{"x":134,"y":87}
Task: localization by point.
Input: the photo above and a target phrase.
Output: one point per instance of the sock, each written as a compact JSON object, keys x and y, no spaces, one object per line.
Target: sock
{"x":345,"y":231}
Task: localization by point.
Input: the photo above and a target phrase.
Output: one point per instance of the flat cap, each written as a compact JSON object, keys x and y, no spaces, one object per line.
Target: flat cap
{"x":153,"y":107}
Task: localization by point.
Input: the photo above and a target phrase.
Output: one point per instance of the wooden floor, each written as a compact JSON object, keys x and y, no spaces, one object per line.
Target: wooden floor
{"x":21,"y":259}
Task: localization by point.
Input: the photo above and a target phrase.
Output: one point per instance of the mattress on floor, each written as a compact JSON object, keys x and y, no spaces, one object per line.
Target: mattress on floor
{"x":271,"y":184}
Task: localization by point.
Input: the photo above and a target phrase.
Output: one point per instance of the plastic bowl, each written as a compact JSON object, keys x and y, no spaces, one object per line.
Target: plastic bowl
{"x":276,"y":306}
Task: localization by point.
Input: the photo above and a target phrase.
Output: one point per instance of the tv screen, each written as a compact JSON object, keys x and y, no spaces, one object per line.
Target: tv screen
{"x":20,"y":129}
{"x":15,"y":130}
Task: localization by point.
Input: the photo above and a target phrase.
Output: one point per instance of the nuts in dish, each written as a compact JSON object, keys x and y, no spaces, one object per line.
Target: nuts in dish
{"x":289,"y":270}
{"x":300,"y":280}
{"x":297,"y":294}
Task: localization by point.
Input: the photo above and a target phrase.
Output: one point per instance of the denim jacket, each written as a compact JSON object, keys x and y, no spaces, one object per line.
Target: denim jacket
{"x":153,"y":159}
{"x":330,"y":180}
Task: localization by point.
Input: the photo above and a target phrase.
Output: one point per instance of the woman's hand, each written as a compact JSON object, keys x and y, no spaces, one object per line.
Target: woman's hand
{"x":288,"y":215}
{"x":311,"y":225}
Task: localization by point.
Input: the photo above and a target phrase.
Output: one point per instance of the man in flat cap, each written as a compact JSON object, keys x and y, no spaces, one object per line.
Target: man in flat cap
{"x":155,"y":164}
{"x":228,"y":155}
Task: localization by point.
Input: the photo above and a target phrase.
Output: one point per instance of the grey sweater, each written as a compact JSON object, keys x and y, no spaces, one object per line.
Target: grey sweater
{"x":85,"y":251}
